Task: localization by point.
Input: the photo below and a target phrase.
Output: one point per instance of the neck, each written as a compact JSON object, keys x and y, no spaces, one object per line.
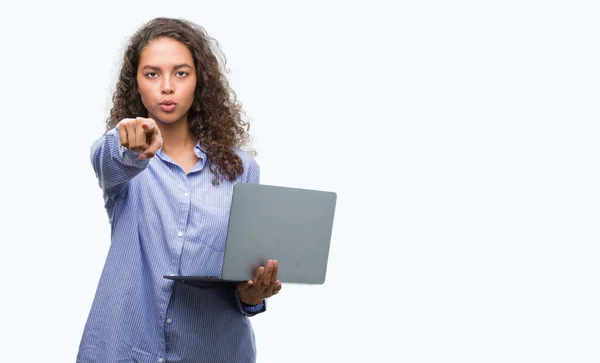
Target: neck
{"x":176,"y":136}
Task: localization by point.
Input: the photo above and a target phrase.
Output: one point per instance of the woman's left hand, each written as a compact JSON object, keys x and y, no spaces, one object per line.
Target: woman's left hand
{"x":265,"y":285}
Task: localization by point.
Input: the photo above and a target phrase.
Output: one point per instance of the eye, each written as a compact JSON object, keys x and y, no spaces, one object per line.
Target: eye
{"x":183,"y":74}
{"x":150,"y":74}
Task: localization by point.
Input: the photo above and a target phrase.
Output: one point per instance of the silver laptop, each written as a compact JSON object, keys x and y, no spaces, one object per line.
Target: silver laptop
{"x":290,"y":225}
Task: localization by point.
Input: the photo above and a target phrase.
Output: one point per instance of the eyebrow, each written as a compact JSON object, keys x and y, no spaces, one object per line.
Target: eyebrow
{"x":155,"y":68}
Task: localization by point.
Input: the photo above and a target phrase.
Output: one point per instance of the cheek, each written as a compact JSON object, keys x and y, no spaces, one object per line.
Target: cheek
{"x":144,"y":93}
{"x":190,"y":90}
{"x":143,"y":85}
{"x":141,"y":88}
{"x":142,"y":96}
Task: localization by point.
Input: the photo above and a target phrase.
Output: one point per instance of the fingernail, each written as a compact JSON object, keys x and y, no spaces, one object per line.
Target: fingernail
{"x":143,"y":156}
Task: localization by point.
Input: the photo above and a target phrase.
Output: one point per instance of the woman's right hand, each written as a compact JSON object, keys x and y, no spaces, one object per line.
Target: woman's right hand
{"x":141,"y":135}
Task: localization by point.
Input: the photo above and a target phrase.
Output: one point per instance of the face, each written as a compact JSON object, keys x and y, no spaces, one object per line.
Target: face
{"x":166,"y":79}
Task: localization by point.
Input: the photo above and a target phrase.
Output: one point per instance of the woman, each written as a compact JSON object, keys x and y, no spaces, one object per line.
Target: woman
{"x":167,"y":166}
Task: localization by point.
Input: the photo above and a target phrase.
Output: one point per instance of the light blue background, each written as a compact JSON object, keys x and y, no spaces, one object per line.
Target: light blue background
{"x":461,"y":138}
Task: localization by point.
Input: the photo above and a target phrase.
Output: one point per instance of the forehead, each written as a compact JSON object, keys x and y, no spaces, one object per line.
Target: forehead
{"x":165,"y":52}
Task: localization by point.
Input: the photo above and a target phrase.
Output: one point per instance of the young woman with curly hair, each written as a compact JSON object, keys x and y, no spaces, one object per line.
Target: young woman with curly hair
{"x":167,"y":165}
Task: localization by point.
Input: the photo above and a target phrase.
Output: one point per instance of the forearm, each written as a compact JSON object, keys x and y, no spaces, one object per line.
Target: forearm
{"x":113,"y":164}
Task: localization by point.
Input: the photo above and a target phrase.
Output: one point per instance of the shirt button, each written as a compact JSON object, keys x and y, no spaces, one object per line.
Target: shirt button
{"x":180,"y":234}
{"x":186,"y":194}
{"x":169,"y":321}
{"x":161,"y":360}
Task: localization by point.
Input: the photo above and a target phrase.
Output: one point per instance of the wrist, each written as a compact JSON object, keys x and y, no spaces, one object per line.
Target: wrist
{"x":250,"y":303}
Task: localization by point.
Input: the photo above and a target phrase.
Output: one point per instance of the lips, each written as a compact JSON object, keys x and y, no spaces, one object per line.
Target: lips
{"x":167,"y":105}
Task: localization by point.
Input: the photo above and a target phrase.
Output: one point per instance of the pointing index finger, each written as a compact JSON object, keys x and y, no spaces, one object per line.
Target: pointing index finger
{"x":153,"y":148}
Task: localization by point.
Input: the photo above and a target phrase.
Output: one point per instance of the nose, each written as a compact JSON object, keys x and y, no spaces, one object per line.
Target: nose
{"x":167,"y":86}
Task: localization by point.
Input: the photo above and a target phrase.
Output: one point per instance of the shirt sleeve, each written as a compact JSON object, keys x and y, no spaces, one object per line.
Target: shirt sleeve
{"x":253,"y":175}
{"x":250,"y":310}
{"x":114,"y":164}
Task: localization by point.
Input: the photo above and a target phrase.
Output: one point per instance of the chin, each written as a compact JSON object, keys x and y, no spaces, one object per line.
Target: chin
{"x":167,"y":118}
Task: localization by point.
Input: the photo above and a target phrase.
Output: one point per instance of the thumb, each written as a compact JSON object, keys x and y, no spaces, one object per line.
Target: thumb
{"x":148,"y":128}
{"x":244,"y":285}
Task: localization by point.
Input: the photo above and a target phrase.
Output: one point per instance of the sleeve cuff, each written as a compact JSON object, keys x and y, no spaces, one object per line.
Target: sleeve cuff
{"x":253,"y":308}
{"x":250,"y":310}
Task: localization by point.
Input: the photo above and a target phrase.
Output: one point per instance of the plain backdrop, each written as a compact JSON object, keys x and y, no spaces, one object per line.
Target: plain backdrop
{"x":460,"y":136}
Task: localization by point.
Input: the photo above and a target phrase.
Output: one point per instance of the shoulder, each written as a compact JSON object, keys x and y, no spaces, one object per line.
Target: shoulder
{"x":247,"y":159}
{"x":251,"y":167}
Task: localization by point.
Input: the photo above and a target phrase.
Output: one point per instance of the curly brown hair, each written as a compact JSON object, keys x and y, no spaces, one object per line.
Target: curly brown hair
{"x":215,"y":115}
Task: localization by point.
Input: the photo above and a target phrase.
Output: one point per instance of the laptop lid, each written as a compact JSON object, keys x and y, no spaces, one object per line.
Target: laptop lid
{"x":290,"y":225}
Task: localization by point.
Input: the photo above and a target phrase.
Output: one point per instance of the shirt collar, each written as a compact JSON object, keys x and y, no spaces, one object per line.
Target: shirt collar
{"x":198,"y":150}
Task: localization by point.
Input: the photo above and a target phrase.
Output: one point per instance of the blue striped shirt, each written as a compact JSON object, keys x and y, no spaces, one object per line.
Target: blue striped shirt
{"x":164,"y":221}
